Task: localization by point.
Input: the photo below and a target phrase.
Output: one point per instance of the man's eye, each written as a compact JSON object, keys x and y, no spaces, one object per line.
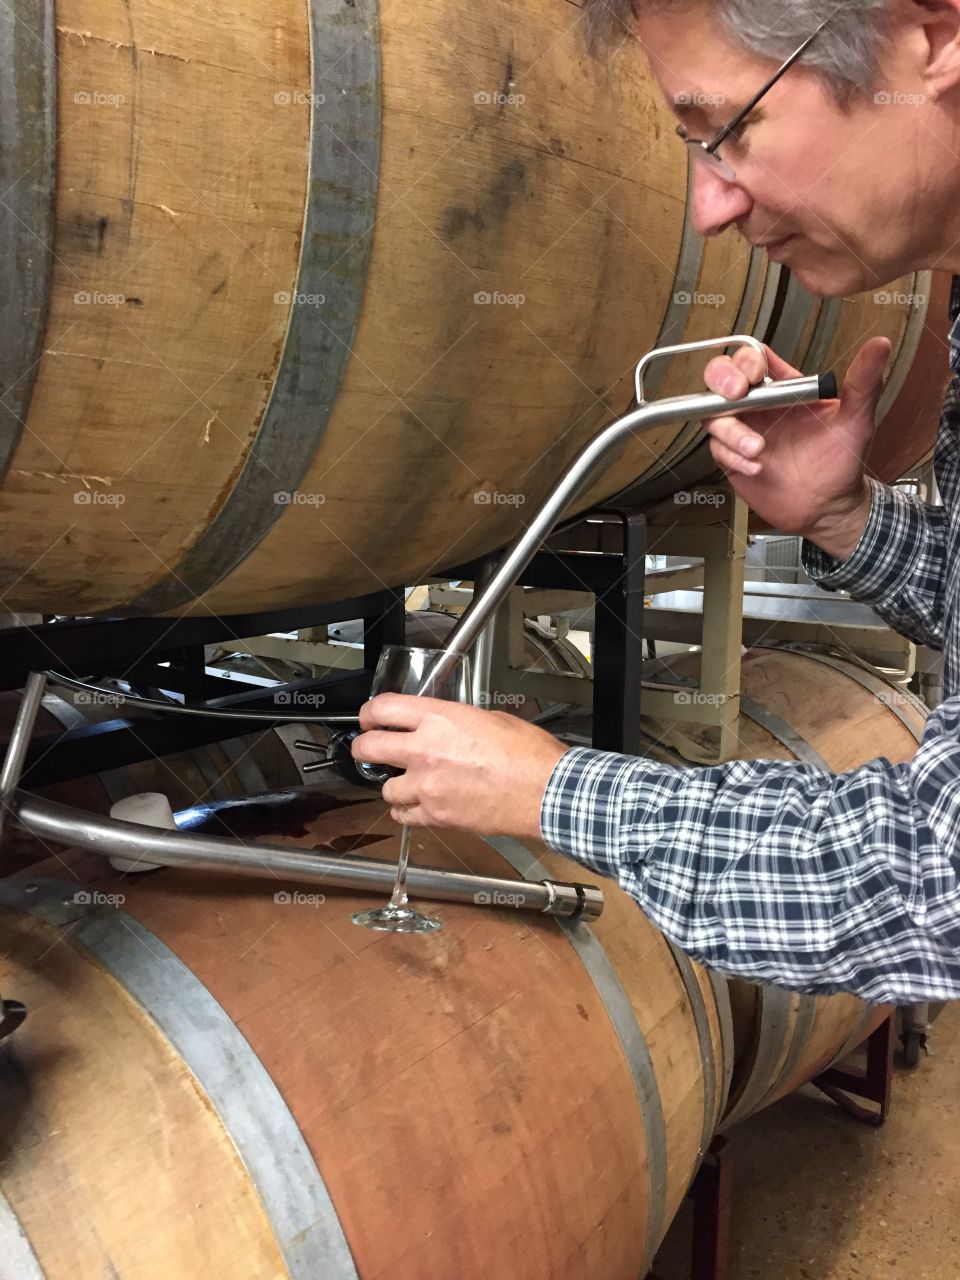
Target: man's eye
{"x":735,"y":138}
{"x":735,"y":141}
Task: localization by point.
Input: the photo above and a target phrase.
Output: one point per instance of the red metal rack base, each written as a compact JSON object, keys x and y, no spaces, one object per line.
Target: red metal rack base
{"x":871,"y":1084}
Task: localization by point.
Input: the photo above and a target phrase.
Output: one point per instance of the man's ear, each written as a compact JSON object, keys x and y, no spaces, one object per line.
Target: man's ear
{"x":940,"y":20}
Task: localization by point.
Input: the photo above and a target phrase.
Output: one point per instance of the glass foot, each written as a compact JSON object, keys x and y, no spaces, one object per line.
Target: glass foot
{"x":397,"y":920}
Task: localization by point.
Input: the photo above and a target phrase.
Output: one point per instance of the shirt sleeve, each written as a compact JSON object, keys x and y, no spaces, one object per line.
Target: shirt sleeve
{"x":898,"y":567}
{"x":783,"y":873}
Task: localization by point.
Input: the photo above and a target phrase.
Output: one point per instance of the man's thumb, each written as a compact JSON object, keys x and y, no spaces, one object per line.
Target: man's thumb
{"x":863,"y":385}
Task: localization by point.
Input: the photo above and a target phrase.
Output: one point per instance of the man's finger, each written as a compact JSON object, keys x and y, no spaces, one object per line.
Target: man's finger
{"x":779,"y":369}
{"x":726,"y":379}
{"x":395,"y":711}
{"x":752,"y":363}
{"x":409,"y":816}
{"x":863,"y":383}
{"x":380,"y":746}
{"x":737,"y":436}
{"x":733,"y":463}
{"x":399,"y":793}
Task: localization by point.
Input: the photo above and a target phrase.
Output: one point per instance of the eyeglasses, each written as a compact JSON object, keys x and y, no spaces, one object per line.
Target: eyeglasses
{"x":706,"y":152}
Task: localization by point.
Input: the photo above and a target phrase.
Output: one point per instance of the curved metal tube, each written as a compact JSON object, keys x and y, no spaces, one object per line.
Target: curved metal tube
{"x":16,"y":753}
{"x":772,"y":395}
{"x":130,"y":840}
{"x":215,"y":713}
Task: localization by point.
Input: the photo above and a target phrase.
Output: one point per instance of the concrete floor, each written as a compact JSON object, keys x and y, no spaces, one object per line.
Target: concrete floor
{"x":819,"y":1197}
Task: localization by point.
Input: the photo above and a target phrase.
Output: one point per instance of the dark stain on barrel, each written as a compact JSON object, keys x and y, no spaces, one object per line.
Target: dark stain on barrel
{"x":219,"y":289}
{"x":557,"y":147}
{"x":457,"y":218}
{"x":133,"y":44}
{"x":86,"y":232}
{"x":507,"y":185}
{"x":133,"y":302}
{"x":583,"y":1013}
{"x":508,"y":81}
{"x":492,"y":206}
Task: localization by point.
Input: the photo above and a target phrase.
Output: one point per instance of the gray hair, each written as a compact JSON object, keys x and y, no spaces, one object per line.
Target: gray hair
{"x":846,"y":53}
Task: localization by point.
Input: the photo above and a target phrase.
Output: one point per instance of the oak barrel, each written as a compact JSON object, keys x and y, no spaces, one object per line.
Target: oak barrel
{"x":295,"y":309}
{"x":218,"y":1078}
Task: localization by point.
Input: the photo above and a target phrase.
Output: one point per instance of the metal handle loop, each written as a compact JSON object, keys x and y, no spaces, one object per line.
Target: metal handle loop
{"x":741,"y":339}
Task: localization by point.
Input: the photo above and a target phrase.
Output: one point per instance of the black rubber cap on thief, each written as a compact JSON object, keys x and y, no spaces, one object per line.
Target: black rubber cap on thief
{"x":828,"y":386}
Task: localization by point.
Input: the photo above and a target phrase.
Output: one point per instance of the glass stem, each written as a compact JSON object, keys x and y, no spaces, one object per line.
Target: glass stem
{"x":398,"y":898}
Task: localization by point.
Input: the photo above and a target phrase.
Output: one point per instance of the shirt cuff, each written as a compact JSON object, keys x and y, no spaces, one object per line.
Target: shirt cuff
{"x":583,"y":806}
{"x":871,"y":570}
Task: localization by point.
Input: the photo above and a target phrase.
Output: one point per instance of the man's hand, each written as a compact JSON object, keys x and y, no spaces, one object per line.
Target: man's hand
{"x":479,"y":770}
{"x":801,"y":469}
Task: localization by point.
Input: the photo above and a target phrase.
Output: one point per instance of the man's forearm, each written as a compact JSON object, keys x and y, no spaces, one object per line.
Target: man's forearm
{"x":780,"y":872}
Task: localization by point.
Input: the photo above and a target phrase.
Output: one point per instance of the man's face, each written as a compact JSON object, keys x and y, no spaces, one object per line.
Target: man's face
{"x":864,"y":195}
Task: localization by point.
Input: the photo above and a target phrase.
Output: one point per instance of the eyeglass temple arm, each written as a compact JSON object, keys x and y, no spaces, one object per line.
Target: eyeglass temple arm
{"x":729,"y":127}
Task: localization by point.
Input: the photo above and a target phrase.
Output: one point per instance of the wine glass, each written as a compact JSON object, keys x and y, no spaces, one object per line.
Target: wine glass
{"x":406,"y":669}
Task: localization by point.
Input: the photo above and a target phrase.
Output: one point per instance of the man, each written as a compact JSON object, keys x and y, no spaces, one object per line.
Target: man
{"x":848,"y":170}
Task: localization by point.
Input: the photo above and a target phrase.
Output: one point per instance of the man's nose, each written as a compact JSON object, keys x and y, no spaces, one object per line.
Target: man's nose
{"x":716,"y":202}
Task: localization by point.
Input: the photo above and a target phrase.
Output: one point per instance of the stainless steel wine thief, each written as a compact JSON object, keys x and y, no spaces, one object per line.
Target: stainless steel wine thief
{"x":767,"y":395}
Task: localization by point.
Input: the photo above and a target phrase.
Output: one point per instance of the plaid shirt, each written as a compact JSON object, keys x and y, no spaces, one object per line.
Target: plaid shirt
{"x":782,"y":873}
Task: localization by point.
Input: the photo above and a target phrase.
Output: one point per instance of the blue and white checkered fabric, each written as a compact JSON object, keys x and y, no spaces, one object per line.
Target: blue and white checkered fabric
{"x":779,"y":872}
